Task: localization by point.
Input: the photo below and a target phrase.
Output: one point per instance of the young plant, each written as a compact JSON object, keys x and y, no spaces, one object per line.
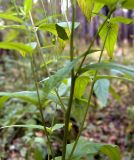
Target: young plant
{"x":80,"y":73}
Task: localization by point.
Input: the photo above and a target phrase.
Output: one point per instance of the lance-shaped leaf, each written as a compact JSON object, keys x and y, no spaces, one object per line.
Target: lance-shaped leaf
{"x":58,"y":29}
{"x":89,"y":6}
{"x":111,"y":31}
{"x":80,"y":86}
{"x":129,"y":4}
{"x":53,"y":81}
{"x":120,"y":19}
{"x":108,"y":65}
{"x":28,"y":96}
{"x":101,"y":89}
{"x":61,"y":32}
{"x":27,"y":6}
{"x":20,"y":47}
{"x":40,"y":127}
{"x":86,"y":7}
{"x":13,"y":27}
{"x":86,"y":148}
{"x":10,"y":16}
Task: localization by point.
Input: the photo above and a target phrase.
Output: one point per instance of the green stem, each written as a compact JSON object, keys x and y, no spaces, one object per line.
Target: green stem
{"x":60,"y":100}
{"x":92,"y":42}
{"x":68,"y":112}
{"x":89,"y":101}
{"x":38,"y":43}
{"x":40,"y":105}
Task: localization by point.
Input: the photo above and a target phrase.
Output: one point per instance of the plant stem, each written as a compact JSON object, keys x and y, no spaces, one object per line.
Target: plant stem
{"x":40,"y":105}
{"x":92,"y":42}
{"x":68,"y":112}
{"x":60,"y":100}
{"x":89,"y":100}
{"x":38,"y":43}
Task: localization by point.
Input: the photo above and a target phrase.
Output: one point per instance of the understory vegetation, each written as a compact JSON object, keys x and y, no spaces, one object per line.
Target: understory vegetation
{"x":62,"y":98}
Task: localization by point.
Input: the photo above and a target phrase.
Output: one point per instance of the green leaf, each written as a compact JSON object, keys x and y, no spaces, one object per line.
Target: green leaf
{"x":101,"y":89}
{"x":129,"y":4}
{"x":38,"y":155}
{"x":109,"y":65}
{"x":120,"y":19}
{"x":57,"y":126}
{"x":27,"y":6}
{"x":61,"y":32}
{"x":25,"y":126}
{"x":112,"y":152}
{"x":85,"y":147}
{"x":68,"y":24}
{"x":54,"y":80}
{"x":111,"y":31}
{"x":97,"y":7}
{"x":10,"y":16}
{"x":47,"y":19}
{"x":89,"y":6}
{"x":50,"y":27}
{"x":31,"y":126}
{"x":13,"y":27}
{"x":28,"y":96}
{"x":86,"y":7}
{"x":58,"y":29}
{"x":80,"y":86}
{"x":107,"y":1}
{"x":113,"y":77}
{"x":20,"y":47}
{"x":2,"y":101}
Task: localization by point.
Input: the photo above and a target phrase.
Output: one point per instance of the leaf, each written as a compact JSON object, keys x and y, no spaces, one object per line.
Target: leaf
{"x":109,"y":65}
{"x":129,"y":4}
{"x":101,"y":89}
{"x":85,"y":147}
{"x":61,"y":32}
{"x":111,"y":31}
{"x":31,"y":126}
{"x":80,"y":86}
{"x":13,"y":27}
{"x":38,"y":155}
{"x":68,"y":24}
{"x":89,"y":6}
{"x":113,"y":77}
{"x":57,"y":126}
{"x":10,"y":16}
{"x":28,"y":96}
{"x":50,"y":27}
{"x":54,"y":80}
{"x":58,"y":28}
{"x":25,"y":126}
{"x":120,"y":19}
{"x":27,"y":6}
{"x":20,"y":47}
{"x":97,"y":7}
{"x":86,"y":6}
{"x":107,"y":2}
{"x":47,"y":19}
{"x":112,"y":152}
{"x":2,"y":101}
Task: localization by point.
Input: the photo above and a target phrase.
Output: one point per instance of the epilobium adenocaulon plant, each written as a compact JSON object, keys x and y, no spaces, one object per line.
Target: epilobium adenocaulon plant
{"x":77,"y":71}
